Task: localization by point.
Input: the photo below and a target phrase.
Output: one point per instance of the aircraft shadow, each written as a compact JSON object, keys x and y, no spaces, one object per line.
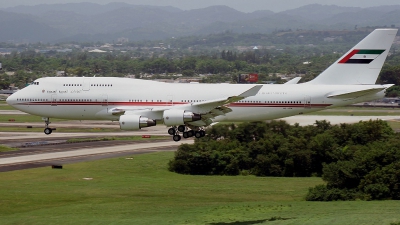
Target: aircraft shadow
{"x":251,"y":222}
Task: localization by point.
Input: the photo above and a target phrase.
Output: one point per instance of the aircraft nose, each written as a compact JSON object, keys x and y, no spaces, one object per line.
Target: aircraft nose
{"x":10,"y":100}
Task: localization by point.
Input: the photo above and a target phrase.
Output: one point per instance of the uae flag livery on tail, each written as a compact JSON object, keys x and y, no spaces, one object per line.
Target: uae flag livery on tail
{"x":361,"y":56}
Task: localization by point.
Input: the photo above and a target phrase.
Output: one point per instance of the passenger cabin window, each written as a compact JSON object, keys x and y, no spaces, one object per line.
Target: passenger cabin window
{"x":100,"y":85}
{"x":74,"y":85}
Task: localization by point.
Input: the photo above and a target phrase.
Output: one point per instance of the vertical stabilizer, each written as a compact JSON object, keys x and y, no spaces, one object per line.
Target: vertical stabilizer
{"x":363,"y":63}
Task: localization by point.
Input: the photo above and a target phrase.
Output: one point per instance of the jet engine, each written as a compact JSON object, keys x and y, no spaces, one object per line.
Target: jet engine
{"x":174,"y":117}
{"x":135,"y":122}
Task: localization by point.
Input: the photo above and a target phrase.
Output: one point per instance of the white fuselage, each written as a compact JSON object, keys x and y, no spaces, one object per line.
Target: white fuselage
{"x":92,"y":98}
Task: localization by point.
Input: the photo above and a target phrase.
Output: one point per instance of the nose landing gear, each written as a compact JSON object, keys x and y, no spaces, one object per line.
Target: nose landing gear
{"x":47,"y":129}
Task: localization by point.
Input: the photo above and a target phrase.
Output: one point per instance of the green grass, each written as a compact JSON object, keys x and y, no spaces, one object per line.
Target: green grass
{"x":6,"y":148}
{"x":395,"y":125}
{"x":142,"y":191}
{"x":5,"y":107}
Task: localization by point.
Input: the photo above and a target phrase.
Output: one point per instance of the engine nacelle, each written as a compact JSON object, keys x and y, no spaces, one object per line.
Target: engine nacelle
{"x":135,"y":122}
{"x":174,"y":117}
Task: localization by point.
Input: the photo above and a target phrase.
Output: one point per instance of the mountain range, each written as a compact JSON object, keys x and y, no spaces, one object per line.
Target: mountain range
{"x":83,"y":22}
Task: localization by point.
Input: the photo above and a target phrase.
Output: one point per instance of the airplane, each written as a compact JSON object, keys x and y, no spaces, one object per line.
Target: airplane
{"x":187,"y":108}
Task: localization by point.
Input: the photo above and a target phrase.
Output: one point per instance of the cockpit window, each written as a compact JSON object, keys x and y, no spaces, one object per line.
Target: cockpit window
{"x":35,"y":83}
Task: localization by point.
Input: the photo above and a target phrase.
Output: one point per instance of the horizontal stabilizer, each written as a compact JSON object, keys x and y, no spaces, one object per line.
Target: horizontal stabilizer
{"x":355,"y":94}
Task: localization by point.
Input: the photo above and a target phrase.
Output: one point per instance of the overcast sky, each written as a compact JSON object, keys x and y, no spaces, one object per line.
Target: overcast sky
{"x":241,"y":5}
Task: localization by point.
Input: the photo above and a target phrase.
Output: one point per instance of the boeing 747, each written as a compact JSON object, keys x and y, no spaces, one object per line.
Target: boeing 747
{"x":188,"y":108}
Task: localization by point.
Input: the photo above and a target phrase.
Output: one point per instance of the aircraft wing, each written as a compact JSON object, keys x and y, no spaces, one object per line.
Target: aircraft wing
{"x":208,"y":109}
{"x":206,"y":106}
{"x":217,"y":107}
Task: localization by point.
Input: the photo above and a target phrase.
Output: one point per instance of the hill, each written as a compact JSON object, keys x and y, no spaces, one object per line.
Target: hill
{"x":95,"y":22}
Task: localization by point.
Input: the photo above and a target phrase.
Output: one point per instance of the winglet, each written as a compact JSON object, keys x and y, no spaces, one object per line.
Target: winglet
{"x":251,"y":92}
{"x":294,"y":80}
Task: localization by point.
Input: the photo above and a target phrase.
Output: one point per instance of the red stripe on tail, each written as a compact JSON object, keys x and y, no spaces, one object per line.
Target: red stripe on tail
{"x":347,"y":57}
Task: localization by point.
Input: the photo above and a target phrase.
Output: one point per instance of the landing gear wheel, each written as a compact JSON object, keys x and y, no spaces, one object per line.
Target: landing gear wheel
{"x":202,"y":133}
{"x":190,"y":133}
{"x":176,"y":138}
{"x":171,"y":131}
{"x":185,"y":134}
{"x":181,"y":128}
{"x":197,"y":134}
{"x":48,"y":131}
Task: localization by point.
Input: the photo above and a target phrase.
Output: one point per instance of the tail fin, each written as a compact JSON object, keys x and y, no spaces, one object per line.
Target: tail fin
{"x":363,"y":63}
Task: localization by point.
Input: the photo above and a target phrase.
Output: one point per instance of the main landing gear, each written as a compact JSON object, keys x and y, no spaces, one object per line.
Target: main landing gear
{"x":186,"y":133}
{"x":47,"y":129}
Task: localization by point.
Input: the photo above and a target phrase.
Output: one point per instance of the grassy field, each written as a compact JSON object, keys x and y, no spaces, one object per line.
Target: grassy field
{"x":141,"y":191}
